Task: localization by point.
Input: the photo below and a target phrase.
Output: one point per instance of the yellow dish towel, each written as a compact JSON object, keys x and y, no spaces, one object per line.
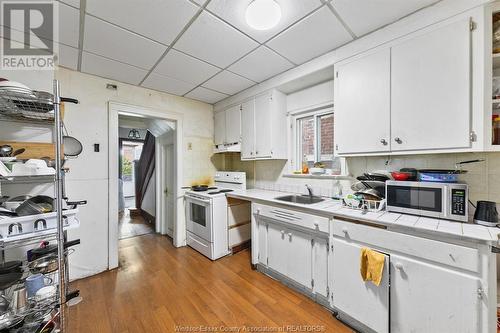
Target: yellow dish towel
{"x":372,"y":265}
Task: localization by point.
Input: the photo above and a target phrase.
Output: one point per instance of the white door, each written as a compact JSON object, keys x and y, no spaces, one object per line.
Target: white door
{"x":220,"y":128}
{"x":362,"y":104}
{"x":248,"y":130}
{"x":363,"y":301}
{"x":320,"y":266}
{"x":263,"y":126}
{"x":233,"y":124}
{"x":299,"y":257}
{"x":431,"y":89}
{"x":169,"y":164}
{"x":277,"y":248}
{"x":428,"y":298}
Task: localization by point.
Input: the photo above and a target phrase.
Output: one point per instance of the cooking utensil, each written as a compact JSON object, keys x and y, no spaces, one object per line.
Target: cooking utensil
{"x":439,"y":175}
{"x":486,"y":213}
{"x":5,"y":150}
{"x":19,"y":298}
{"x":369,"y":194}
{"x":71,"y":146}
{"x":47,"y":248}
{"x":373,"y":176}
{"x":412,"y":171}
{"x":459,"y":164}
{"x":373,"y":184}
{"x":39,"y":204}
{"x":10,"y":267}
{"x":18,"y":152}
{"x":13,"y":203}
{"x":401,"y":176}
{"x":46,"y":264}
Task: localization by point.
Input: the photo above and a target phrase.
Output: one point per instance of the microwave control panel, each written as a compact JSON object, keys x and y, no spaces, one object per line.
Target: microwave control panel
{"x":458,"y":203}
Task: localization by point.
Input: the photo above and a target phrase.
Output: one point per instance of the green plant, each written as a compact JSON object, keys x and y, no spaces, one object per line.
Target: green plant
{"x":126,"y":167}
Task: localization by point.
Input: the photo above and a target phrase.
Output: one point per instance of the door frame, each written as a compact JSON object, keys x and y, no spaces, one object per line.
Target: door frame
{"x":179,"y":234}
{"x":162,"y":202}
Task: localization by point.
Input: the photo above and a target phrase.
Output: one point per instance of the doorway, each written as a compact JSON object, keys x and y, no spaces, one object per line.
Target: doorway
{"x":166,"y":127}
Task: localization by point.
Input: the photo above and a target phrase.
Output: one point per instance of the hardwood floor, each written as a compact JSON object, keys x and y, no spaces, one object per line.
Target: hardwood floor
{"x":158,"y":288}
{"x":131,"y":226}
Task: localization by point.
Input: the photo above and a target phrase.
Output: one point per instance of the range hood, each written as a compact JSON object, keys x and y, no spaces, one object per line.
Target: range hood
{"x":228,"y":148}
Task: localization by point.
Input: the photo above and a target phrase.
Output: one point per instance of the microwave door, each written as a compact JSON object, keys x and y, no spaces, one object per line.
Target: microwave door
{"x":403,"y":199}
{"x":430,"y":201}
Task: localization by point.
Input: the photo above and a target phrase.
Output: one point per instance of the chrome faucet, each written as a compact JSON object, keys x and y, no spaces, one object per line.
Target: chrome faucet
{"x":310,"y":190}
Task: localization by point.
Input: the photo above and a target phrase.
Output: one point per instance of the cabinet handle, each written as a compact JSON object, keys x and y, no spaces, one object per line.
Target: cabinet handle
{"x":256,"y":153}
{"x":290,"y":236}
{"x":257,"y":211}
{"x":345,"y":231}
{"x":398,"y":140}
{"x":282,"y":232}
{"x":399,"y":266}
{"x":251,"y":153}
{"x":384,"y":142}
{"x":316,"y":225}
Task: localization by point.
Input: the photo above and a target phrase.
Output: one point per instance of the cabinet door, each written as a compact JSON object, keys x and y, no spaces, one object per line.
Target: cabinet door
{"x":299,"y":257}
{"x":277,"y":248}
{"x":263,"y":126}
{"x":320,"y":266}
{"x":427,"y":298}
{"x":431,"y":89}
{"x":363,"y":301}
{"x":233,"y":124}
{"x":220,"y":128}
{"x":362,"y":104}
{"x":248,"y":130}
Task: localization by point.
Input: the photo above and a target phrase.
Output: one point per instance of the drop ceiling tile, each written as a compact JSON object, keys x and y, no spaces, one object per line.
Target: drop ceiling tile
{"x":161,"y":20}
{"x":167,"y":84}
{"x":234,"y":12}
{"x":228,"y":83}
{"x":311,"y":37}
{"x":67,"y":56}
{"x":180,"y":66}
{"x":206,"y":95}
{"x":214,"y":41}
{"x":261,"y":64}
{"x":365,"y":16}
{"x":100,"y":66}
{"x":116,"y":43}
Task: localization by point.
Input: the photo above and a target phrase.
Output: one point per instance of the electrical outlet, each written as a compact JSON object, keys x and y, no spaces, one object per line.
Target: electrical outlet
{"x":190,"y":146}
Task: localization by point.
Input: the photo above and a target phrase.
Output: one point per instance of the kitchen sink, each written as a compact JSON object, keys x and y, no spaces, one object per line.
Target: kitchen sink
{"x":300,"y":199}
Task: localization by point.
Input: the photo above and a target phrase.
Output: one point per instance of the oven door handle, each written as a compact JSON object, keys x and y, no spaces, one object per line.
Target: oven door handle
{"x":198,"y":199}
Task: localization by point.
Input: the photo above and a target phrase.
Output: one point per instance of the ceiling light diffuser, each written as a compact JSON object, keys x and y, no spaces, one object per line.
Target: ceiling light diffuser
{"x":263,"y":14}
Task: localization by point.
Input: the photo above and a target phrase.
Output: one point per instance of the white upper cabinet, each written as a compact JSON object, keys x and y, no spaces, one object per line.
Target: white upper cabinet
{"x":248,"y":130}
{"x":412,"y":94}
{"x":362,"y":104}
{"x":233,"y":125}
{"x":431,"y":90}
{"x":264,"y":125}
{"x":220,"y":128}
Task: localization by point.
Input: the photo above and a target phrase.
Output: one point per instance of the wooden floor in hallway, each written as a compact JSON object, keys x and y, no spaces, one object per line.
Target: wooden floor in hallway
{"x":159,"y":287}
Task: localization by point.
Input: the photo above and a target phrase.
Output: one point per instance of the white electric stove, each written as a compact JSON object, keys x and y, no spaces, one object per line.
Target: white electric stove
{"x":206,"y":214}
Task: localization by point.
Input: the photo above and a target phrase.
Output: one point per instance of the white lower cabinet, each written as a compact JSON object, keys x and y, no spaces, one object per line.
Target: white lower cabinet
{"x":277,"y":248}
{"x":320,"y":262}
{"x":429,"y":298}
{"x":360,"y":300}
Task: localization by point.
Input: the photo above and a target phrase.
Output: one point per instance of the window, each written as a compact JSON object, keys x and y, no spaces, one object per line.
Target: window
{"x":313,"y":138}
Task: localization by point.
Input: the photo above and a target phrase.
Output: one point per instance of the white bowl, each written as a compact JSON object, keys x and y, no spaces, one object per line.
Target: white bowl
{"x":317,"y":171}
{"x":45,"y":293}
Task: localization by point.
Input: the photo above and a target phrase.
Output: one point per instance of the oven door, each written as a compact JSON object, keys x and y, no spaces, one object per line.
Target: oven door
{"x":421,"y":199}
{"x":199,"y":217}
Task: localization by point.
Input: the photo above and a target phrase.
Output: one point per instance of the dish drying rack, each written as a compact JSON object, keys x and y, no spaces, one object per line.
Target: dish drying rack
{"x":365,"y":205}
{"x":19,"y":104}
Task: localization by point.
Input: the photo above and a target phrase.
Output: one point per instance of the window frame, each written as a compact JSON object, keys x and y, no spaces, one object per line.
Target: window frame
{"x":295,"y":142}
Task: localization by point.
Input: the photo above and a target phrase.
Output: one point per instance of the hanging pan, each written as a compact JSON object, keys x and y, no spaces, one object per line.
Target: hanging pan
{"x":71,"y":146}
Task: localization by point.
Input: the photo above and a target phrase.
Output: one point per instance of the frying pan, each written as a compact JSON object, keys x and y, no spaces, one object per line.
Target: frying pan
{"x":9,"y":279}
{"x":52,"y":248}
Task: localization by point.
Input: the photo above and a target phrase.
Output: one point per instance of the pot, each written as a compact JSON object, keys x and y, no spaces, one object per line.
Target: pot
{"x":373,"y":176}
{"x":401,"y":176}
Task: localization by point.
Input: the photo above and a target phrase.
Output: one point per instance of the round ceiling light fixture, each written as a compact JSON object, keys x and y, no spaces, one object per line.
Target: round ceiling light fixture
{"x":263,"y":14}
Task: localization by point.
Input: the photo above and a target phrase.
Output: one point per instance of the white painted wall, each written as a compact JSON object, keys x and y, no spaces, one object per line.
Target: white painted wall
{"x":149,"y":199}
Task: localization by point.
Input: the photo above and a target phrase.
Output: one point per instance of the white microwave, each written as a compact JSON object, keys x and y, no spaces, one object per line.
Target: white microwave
{"x":441,"y":200}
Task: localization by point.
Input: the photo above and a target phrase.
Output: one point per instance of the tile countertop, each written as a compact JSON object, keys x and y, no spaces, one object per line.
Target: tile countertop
{"x":393,"y":221}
